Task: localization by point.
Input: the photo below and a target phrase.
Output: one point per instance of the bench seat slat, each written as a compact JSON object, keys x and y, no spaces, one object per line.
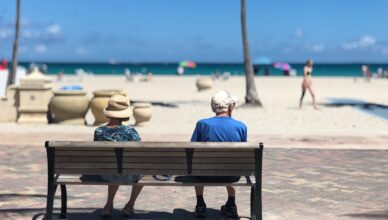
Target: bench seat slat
{"x":195,"y":172}
{"x":178,"y":145}
{"x":110,"y":153}
{"x":163,"y":166}
{"x":222,"y":172}
{"x":223,"y":166}
{"x":148,"y":181}
{"x":125,"y":159}
{"x":154,"y":171}
{"x":129,"y":154}
{"x":203,"y":160}
{"x":224,"y":150}
{"x":75,"y":165}
{"x":155,"y":154}
{"x":223,"y":154}
{"x":85,"y":171}
{"x":223,"y":160}
{"x":91,"y":148}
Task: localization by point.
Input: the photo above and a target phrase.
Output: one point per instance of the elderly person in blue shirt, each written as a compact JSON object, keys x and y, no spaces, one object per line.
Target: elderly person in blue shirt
{"x":220,"y":128}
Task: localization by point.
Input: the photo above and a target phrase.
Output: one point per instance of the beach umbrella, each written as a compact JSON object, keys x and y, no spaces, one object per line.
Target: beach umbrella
{"x":281,"y":65}
{"x":262,"y":61}
{"x":187,"y":64}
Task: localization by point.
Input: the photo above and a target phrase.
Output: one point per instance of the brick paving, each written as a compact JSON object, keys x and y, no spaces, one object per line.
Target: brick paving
{"x":297,"y":184}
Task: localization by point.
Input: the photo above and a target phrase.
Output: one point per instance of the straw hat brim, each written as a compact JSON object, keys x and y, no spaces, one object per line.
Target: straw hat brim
{"x":126,"y":113}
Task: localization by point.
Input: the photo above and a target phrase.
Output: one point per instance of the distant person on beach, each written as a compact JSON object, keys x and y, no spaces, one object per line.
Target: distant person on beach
{"x":256,"y":69}
{"x":128,"y":74}
{"x":118,"y":111}
{"x":380,"y":72}
{"x":3,"y":64}
{"x":220,"y":128}
{"x":180,"y":71}
{"x":267,"y":72}
{"x":307,"y":83}
{"x":366,"y":73}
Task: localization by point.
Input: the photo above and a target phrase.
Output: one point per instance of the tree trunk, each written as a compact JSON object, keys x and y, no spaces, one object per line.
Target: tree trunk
{"x":12,"y":74}
{"x":251,"y":97}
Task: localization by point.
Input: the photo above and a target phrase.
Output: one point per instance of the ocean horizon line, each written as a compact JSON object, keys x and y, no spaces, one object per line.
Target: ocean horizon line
{"x":198,"y":62}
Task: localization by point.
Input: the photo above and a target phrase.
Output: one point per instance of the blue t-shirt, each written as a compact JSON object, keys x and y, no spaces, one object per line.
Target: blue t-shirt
{"x":219,"y":129}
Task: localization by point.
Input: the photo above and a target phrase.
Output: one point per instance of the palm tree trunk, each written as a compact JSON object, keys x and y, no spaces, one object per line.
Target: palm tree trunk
{"x":251,"y":96}
{"x":12,"y":75}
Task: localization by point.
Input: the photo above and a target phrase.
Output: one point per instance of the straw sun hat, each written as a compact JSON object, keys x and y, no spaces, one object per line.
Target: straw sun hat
{"x":118,"y":107}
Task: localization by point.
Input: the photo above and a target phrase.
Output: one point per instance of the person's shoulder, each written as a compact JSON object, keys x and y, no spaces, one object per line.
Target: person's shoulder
{"x":128,"y":129}
{"x":239,"y":123}
{"x":205,"y":121}
{"x":100,"y":129}
{"x":132,"y":132}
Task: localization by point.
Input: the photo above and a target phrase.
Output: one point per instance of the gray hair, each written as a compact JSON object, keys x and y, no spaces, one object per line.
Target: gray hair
{"x":218,"y":109}
{"x":221,"y":101}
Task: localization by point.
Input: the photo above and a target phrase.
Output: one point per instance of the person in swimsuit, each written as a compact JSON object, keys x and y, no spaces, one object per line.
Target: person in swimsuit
{"x":307,"y":83}
{"x":118,"y":111}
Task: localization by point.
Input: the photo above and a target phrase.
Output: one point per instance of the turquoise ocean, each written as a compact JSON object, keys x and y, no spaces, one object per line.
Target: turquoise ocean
{"x":340,"y":70}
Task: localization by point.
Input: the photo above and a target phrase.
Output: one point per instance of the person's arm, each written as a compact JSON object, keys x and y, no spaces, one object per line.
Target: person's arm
{"x":134,"y":135}
{"x":305,"y":72}
{"x":96,"y":135}
{"x":245,"y":134}
{"x":196,"y":134}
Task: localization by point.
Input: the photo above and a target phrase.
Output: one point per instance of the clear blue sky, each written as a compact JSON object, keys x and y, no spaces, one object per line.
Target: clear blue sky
{"x":173,"y":30}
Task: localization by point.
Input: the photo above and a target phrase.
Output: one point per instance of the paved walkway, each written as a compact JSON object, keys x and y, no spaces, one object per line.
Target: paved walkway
{"x":297,"y":184}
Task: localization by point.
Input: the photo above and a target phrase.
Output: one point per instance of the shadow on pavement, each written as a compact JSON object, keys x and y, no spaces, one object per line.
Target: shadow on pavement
{"x":6,"y":196}
{"x":92,"y":213}
{"x":370,"y":215}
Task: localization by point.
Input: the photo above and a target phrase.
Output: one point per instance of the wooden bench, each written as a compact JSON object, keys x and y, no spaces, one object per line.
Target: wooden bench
{"x":72,"y":163}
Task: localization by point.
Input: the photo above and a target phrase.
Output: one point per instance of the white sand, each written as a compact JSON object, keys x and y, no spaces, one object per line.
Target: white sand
{"x":280,"y":121}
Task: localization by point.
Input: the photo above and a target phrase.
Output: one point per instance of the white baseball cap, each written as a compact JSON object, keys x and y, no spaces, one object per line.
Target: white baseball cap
{"x":221,"y":101}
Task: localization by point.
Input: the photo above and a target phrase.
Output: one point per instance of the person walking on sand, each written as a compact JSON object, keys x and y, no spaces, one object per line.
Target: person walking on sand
{"x":366,"y":73}
{"x":118,"y":111}
{"x":307,"y":83}
{"x":221,"y":128}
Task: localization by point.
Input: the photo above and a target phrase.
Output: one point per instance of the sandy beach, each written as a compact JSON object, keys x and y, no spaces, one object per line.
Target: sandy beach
{"x":280,"y":123}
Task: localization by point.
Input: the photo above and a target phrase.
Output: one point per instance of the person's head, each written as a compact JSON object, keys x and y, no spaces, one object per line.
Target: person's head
{"x":223,"y":103}
{"x":118,"y":109}
{"x":309,"y":63}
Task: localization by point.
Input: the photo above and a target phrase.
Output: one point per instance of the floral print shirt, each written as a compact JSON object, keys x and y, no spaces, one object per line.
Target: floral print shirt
{"x":117,"y":133}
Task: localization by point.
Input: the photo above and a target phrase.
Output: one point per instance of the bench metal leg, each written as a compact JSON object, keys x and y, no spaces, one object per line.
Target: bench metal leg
{"x":63,"y":202}
{"x":258,"y":202}
{"x":253,"y":204}
{"x":51,"y":188}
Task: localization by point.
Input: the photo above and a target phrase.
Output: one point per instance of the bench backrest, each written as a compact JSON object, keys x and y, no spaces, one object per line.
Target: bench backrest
{"x":150,"y":158}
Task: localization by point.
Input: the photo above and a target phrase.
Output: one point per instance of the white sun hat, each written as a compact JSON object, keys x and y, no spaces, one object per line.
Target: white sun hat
{"x":221,"y":101}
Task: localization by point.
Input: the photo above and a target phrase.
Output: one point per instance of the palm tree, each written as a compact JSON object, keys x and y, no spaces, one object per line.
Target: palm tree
{"x":12,"y":75}
{"x":251,"y":97}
